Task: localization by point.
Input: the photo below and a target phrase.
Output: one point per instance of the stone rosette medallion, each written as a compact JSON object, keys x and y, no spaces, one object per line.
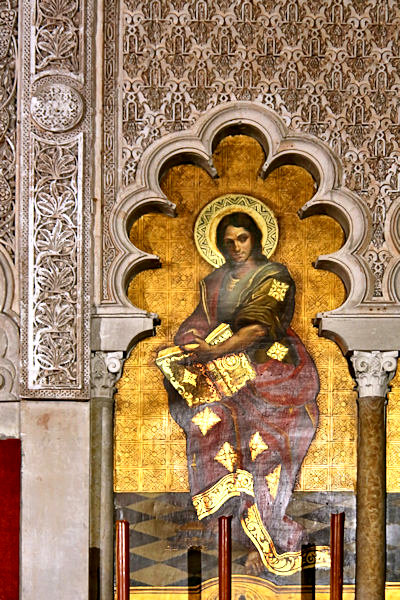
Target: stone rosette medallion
{"x":56,"y":107}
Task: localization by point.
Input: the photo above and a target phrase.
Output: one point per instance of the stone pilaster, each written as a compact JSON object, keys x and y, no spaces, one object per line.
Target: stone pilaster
{"x":373,"y":371}
{"x":106,"y":370}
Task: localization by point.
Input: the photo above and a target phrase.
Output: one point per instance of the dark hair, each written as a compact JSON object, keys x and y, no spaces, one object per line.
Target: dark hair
{"x":240,"y":219}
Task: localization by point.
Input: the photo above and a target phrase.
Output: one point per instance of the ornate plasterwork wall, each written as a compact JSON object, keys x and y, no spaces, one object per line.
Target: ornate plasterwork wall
{"x":9,"y":334}
{"x":56,"y":104}
{"x":8,"y":52}
{"x":329,"y":69}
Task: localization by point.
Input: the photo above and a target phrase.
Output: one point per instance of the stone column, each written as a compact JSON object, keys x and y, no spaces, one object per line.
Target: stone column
{"x":106,"y":370}
{"x":373,"y":371}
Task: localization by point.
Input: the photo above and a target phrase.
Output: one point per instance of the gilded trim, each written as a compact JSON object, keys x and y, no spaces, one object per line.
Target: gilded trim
{"x":227,"y":456}
{"x":203,"y":293}
{"x":287,"y":563}
{"x":253,"y":588}
{"x":277,"y":351}
{"x":273,"y":479}
{"x":231,"y":485}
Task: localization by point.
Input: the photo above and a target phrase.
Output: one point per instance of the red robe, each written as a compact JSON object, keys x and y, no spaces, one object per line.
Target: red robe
{"x":252,"y":444}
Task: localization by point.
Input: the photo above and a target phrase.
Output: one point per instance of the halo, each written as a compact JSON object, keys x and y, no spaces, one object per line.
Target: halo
{"x":205,"y":228}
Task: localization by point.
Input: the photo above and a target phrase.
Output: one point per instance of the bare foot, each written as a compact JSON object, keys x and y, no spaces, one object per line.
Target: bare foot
{"x":254,"y":564}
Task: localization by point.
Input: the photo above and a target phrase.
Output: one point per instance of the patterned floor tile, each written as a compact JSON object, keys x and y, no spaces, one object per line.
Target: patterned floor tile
{"x":137,"y":563}
{"x":154,"y":507}
{"x":196,"y":559}
{"x":160,"y":576}
{"x":159,"y":551}
{"x":312,"y":526}
{"x":137,"y":538}
{"x":157,"y":528}
{"x":166,"y":533}
{"x":238,"y":551}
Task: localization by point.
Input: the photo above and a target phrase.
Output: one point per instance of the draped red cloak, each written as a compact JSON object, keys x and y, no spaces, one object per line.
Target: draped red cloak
{"x":278,"y":407}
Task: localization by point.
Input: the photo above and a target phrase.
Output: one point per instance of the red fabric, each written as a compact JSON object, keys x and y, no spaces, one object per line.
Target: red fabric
{"x":10,"y":470}
{"x":279,"y":404}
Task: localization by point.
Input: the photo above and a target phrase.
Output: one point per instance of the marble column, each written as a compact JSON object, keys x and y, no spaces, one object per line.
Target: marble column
{"x":106,"y":370}
{"x":373,"y":371}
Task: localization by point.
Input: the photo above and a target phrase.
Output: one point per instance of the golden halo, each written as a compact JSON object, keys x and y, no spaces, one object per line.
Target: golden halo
{"x":205,"y":228}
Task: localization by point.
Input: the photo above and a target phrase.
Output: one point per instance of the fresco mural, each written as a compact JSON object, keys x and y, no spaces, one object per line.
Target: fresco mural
{"x":155,"y":478}
{"x":242,"y":386}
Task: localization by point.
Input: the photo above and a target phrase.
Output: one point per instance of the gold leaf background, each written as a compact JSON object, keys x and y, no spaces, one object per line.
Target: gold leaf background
{"x":149,"y":446}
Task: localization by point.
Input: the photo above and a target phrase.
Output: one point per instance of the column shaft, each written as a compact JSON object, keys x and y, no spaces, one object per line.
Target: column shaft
{"x":107,"y":504}
{"x":106,"y":369}
{"x":371,"y":499}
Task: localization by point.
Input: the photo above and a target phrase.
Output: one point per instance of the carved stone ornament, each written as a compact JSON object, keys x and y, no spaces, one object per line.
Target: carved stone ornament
{"x":106,"y":368}
{"x":59,"y":27}
{"x":57,"y":107}
{"x":9,"y":358}
{"x":55,"y":188}
{"x":373,"y":372}
{"x":54,"y":349}
{"x":328,"y":69}
{"x":8,"y":111}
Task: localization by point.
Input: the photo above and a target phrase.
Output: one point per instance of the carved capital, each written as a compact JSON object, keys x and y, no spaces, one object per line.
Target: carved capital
{"x":106,"y":369}
{"x":373,"y":371}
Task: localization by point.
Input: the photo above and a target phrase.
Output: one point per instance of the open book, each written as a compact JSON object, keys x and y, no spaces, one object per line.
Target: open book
{"x":202,"y":383}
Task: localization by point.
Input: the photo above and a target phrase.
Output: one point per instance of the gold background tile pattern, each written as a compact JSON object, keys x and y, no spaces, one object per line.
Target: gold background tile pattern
{"x":393,"y":437}
{"x":149,"y":445}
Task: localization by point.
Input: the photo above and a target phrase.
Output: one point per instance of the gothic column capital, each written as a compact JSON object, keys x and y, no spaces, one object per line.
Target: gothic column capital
{"x":106,"y":368}
{"x":373,"y":372}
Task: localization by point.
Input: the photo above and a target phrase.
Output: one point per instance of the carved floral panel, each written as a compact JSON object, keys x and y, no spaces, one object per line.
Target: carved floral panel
{"x":55,"y":223}
{"x":56,"y":196}
{"x":8,"y":52}
{"x":58,"y":42}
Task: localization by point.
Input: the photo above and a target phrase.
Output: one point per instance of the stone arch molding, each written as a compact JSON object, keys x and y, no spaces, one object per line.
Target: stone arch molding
{"x":361,"y":322}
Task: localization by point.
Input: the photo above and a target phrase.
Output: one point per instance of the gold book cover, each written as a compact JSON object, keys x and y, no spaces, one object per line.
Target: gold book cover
{"x":203,"y":383}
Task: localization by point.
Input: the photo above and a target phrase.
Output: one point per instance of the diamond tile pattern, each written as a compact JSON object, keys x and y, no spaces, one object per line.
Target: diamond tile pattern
{"x":170,"y":546}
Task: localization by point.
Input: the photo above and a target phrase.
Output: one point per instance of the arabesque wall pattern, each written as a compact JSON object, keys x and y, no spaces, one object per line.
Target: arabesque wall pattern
{"x":8,"y":112}
{"x":327,"y":68}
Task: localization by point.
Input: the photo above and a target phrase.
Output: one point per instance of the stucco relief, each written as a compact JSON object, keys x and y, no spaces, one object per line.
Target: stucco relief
{"x":56,"y":198}
{"x":8,"y":51}
{"x":57,"y":107}
{"x":106,"y":370}
{"x":328,"y":69}
{"x":58,"y":37}
{"x":9,"y":333}
{"x":55,"y":271}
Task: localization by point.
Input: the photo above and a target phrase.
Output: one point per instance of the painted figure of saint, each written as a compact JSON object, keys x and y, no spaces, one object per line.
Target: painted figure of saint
{"x":245,"y":448}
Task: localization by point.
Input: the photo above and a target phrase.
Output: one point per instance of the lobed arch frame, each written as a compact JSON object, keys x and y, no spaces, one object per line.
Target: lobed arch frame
{"x":361,"y":322}
{"x":364,"y":327}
